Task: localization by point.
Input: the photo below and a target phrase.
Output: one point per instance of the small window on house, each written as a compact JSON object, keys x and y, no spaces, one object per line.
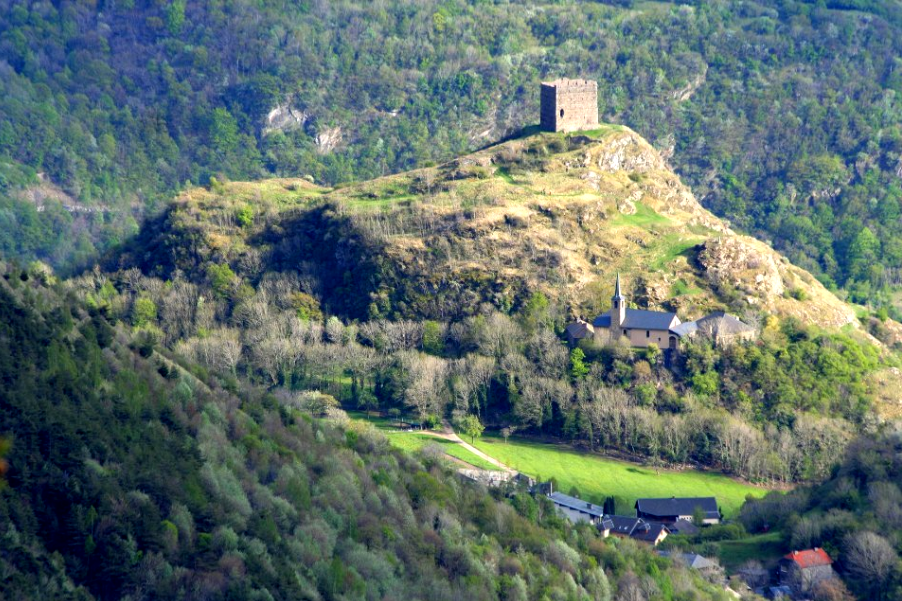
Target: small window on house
{"x":647,"y":333}
{"x":562,"y":112}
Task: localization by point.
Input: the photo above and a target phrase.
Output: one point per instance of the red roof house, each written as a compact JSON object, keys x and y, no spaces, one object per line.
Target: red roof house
{"x":802,"y":570}
{"x":809,"y":558}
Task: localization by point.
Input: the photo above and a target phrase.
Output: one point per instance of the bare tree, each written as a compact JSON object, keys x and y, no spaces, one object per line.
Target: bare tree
{"x":500,"y":336}
{"x":548,"y":354}
{"x":831,"y":590}
{"x":478,"y":371}
{"x":675,"y":438}
{"x":870,"y":558}
{"x":427,"y":379}
{"x":887,"y":501}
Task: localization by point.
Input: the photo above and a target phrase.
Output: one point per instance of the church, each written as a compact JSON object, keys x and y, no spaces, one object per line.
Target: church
{"x":641,"y":328}
{"x":664,"y":329}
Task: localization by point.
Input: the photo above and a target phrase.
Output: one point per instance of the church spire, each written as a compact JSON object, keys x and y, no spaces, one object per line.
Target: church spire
{"x":617,"y":294}
{"x":618,"y":308}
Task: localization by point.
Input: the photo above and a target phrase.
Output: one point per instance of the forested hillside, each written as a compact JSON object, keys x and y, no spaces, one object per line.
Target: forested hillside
{"x":443,"y":292}
{"x":133,"y":476}
{"x":784,"y":117}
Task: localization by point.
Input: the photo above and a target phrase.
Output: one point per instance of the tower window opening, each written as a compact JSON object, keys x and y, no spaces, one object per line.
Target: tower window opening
{"x":562,"y":112}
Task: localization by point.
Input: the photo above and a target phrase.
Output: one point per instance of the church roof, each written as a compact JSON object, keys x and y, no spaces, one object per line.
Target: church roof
{"x":603,"y":321}
{"x":648,"y":320}
{"x":637,"y":319}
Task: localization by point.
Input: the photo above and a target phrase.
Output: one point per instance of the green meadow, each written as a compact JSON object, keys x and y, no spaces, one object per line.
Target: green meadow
{"x":596,"y":477}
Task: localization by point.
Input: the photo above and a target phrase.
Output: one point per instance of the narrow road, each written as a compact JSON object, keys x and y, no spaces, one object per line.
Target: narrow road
{"x":448,"y":434}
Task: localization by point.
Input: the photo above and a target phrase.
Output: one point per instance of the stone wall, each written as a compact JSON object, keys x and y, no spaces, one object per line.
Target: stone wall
{"x":569,"y":105}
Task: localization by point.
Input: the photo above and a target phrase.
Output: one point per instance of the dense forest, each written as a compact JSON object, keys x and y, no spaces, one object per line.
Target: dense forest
{"x":137,"y":475}
{"x":783,"y":116}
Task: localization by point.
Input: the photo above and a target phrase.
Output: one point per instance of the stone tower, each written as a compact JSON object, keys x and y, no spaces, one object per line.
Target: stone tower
{"x":569,"y":105}
{"x":618,"y":310}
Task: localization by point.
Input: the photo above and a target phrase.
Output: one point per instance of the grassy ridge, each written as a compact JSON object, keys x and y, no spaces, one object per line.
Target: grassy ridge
{"x":597,"y":477}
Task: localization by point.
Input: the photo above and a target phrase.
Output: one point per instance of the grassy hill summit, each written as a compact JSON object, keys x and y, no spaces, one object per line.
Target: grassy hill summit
{"x":543,"y":212}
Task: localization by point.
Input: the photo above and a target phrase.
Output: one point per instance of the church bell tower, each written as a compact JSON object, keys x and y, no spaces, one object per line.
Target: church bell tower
{"x":618,"y":309}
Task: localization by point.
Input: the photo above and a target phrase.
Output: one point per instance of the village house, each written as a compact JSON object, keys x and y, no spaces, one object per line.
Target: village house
{"x":671,"y":510}
{"x":701,"y":564}
{"x":685,"y":527}
{"x":721,"y":328}
{"x":578,"y":330}
{"x":622,"y":526}
{"x":576,"y":510}
{"x":802,"y":570}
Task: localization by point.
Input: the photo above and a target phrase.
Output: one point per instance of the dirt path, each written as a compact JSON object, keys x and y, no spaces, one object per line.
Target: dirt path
{"x":448,"y":434}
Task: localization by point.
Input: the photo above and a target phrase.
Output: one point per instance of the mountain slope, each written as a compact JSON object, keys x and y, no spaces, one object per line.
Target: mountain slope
{"x":542,"y":213}
{"x":782,"y":117}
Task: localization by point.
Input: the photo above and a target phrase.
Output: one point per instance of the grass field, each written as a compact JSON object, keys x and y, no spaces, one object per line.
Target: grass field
{"x":596,"y":477}
{"x":765,"y":548}
{"x":414,"y":441}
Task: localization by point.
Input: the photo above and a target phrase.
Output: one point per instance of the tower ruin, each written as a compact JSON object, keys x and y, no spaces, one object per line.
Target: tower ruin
{"x":569,"y":105}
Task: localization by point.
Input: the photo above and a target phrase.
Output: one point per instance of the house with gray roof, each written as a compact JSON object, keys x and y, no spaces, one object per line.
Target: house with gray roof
{"x":578,"y":330}
{"x":721,"y":328}
{"x":623,"y":526}
{"x":576,"y":510}
{"x":694,"y":561}
{"x":670,"y":510}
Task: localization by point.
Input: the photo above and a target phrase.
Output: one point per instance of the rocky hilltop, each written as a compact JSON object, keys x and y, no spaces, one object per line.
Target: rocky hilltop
{"x":555,"y":213}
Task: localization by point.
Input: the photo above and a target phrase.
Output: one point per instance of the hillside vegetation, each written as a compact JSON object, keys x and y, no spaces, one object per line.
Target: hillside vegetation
{"x":783,"y":117}
{"x":855,"y":515}
{"x":134,"y":474}
{"x":442,"y":292}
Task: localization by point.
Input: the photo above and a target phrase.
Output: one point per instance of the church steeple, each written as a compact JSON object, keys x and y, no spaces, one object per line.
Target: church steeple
{"x":618,"y":306}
